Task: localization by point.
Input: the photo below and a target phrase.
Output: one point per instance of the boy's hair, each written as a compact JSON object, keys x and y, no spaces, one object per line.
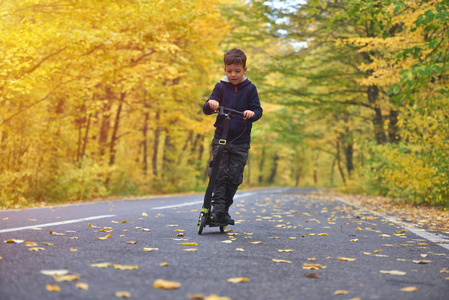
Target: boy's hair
{"x":235,"y":57}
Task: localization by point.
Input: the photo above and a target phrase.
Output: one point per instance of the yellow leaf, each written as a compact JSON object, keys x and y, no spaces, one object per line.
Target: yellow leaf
{"x":240,"y":249}
{"x":126,"y":267}
{"x":166,"y":285}
{"x":132,"y":242}
{"x":311,"y":259}
{"x":36,"y":249}
{"x":104,"y":238}
{"x":340,"y":292}
{"x":54,"y":272}
{"x":312,"y":266}
{"x":322,"y":234}
{"x":258,"y":242}
{"x":164,"y":264}
{"x":312,"y":275}
{"x":366,"y":253}
{"x":377,"y":251}
{"x":346,"y":259}
{"x":82,"y":286}
{"x":73,"y":250}
{"x":238,"y":279}
{"x":281,"y":261}
{"x":421,"y":262}
{"x":215,"y":297}
{"x":14,"y":241}
{"x":188,"y":244}
{"x":60,"y":278}
{"x":191,"y":250}
{"x":150,"y":249}
{"x":30,"y":244}
{"x":122,"y":294}
{"x":53,"y":288}
{"x":409,"y":289}
{"x":286,"y":250}
{"x":359,"y":229}
{"x":144,"y":214}
{"x":394,"y":272}
{"x":101,"y":265}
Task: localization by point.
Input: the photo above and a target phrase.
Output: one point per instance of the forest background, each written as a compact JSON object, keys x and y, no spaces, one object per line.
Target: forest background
{"x":103,"y":98}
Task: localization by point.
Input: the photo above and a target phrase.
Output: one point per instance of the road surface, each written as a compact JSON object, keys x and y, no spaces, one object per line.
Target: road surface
{"x":286,"y":244}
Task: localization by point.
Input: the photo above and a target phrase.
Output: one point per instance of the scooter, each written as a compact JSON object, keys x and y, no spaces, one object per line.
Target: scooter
{"x":205,"y":214}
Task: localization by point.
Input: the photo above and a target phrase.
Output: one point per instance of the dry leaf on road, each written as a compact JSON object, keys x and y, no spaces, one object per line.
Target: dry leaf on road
{"x":237,"y":279}
{"x":165,"y":284}
{"x":122,"y":294}
{"x":53,"y":288}
{"x":409,"y":289}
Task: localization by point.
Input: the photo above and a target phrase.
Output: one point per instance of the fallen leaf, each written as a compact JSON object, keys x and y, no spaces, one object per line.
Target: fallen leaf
{"x":421,"y":262}
{"x":132,"y":242}
{"x":215,"y":297}
{"x":188,"y":244}
{"x":74,"y":237}
{"x":346,"y":259}
{"x":377,"y":251}
{"x":145,"y":229}
{"x":354,"y":240}
{"x":394,"y":272}
{"x":54,"y":272}
{"x":30,"y":244}
{"x":190,"y":250}
{"x":237,"y":279}
{"x":340,"y":292}
{"x":14,"y":241}
{"x":104,"y":238}
{"x":312,"y":275}
{"x":32,"y":220}
{"x":82,"y":286}
{"x":60,"y":278}
{"x":56,"y":233}
{"x":286,"y":250}
{"x":196,"y":297}
{"x":240,"y":249}
{"x":164,"y":264}
{"x":122,"y":294}
{"x":53,"y":288}
{"x":281,"y":261}
{"x":312,"y":266}
{"x":47,"y":244}
{"x":311,"y":259}
{"x":36,"y":249}
{"x":144,"y":214}
{"x":227,"y":242}
{"x":323,"y":234}
{"x":126,"y":267}
{"x":166,"y":285}
{"x":101,"y":265}
{"x":73,"y":250}
{"x":150,"y":249}
{"x":258,"y":242}
{"x":409,"y":289}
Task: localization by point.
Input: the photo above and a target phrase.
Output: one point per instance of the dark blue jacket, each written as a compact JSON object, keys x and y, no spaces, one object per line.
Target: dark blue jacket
{"x":240,"y":97}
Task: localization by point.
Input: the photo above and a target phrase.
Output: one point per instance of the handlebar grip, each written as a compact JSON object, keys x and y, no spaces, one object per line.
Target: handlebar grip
{"x":223,"y":109}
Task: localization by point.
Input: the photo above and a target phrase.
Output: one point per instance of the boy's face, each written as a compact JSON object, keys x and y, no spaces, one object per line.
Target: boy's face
{"x":235,"y":73}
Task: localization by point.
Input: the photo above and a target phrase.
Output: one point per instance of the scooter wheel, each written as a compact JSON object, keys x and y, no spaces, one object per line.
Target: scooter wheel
{"x":222,"y":228}
{"x":202,"y":224}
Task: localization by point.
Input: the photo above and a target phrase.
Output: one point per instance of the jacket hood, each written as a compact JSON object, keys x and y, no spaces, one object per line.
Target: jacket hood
{"x":225,"y":79}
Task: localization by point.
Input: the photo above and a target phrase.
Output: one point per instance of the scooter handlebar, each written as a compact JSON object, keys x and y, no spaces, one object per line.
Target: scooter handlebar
{"x":224,"y":111}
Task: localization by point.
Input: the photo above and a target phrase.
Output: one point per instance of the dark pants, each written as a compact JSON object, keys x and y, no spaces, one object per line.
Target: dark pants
{"x":230,"y":174}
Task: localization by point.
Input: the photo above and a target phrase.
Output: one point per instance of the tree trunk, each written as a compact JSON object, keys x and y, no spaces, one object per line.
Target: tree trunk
{"x":262,"y":161}
{"x":112,"y":150}
{"x":378,"y":121}
{"x":274,"y":168}
{"x":145,"y":142}
{"x":105,"y":123}
{"x":156,"y":143}
{"x":393,"y":128}
{"x":340,"y":169}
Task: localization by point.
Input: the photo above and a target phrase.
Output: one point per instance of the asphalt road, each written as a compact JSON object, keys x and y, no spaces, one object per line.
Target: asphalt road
{"x":286,"y":244}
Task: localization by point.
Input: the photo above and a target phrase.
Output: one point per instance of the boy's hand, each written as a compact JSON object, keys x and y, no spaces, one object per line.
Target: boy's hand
{"x":213,"y":104}
{"x":248,"y":114}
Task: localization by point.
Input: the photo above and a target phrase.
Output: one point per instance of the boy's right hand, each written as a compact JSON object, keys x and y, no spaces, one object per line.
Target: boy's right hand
{"x":213,"y":104}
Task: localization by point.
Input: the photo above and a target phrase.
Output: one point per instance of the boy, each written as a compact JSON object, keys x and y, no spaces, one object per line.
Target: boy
{"x":234,"y":91}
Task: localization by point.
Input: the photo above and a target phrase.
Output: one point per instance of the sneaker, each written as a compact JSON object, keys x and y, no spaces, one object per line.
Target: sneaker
{"x":227,"y":219}
{"x":217,"y":217}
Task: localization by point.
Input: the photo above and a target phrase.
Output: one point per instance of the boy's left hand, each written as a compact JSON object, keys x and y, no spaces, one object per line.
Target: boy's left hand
{"x":248,"y":114}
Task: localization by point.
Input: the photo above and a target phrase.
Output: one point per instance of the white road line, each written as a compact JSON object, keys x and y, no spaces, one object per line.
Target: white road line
{"x":199,"y":202}
{"x":439,"y":240}
{"x":56,"y":223}
{"x":178,"y":205}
